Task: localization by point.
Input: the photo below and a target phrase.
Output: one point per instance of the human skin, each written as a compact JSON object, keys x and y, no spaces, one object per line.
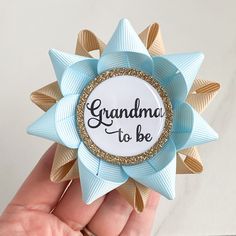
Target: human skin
{"x":40,"y":208}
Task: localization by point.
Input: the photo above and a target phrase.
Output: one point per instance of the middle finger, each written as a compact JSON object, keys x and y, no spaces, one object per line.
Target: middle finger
{"x":73,"y":211}
{"x":112,"y":216}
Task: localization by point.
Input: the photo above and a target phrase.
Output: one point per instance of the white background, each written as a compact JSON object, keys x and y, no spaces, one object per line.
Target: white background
{"x":206,"y":203}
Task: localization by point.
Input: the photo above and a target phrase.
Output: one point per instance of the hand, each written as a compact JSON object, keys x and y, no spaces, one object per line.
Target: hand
{"x":41,"y":209}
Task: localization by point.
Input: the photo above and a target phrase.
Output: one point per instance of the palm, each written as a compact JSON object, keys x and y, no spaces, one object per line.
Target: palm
{"x":33,"y":222}
{"x":44,"y":208}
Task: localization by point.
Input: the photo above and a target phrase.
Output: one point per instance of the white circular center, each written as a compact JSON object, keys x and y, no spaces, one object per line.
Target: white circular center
{"x":124,"y":115}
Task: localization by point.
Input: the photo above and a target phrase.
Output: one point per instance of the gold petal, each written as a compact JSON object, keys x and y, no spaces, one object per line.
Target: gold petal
{"x":188,"y":161}
{"x":135,"y":193}
{"x":64,"y":165}
{"x":181,"y":167}
{"x":46,"y":96}
{"x":152,"y":39}
{"x":87,"y":41}
{"x":202,"y":93}
{"x":142,"y":194}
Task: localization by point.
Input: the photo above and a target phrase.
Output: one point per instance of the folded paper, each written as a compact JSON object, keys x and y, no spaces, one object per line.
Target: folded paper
{"x":127,"y":54}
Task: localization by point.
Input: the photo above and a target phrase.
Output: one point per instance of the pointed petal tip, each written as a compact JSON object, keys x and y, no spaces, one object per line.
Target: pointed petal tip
{"x":168,"y":192}
{"x":199,"y":55}
{"x":64,"y":58}
{"x":196,"y":54}
{"x":61,"y":61}
{"x":191,"y":56}
{"x":33,"y":129}
{"x":171,"y":195}
{"x":54,"y":55}
{"x":125,"y":39}
{"x":208,"y":133}
{"x":44,"y":126}
{"x":197,"y":58}
{"x":214,"y":135}
{"x":29,"y":129}
{"x":87,"y":200}
{"x":53,"y":52}
{"x":124,"y":21}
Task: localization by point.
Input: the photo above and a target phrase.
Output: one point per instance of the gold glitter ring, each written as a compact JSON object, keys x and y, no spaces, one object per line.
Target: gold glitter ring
{"x":124,"y":160}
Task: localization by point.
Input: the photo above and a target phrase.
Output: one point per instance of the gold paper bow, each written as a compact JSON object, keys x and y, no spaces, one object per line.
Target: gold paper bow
{"x":65,"y":166}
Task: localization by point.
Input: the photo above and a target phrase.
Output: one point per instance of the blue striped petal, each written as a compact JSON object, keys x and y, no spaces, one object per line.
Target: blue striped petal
{"x":176,"y":73}
{"x":45,"y":126}
{"x":97,"y":176}
{"x":77,"y":76}
{"x":66,"y":121}
{"x":61,"y":61}
{"x":125,"y":60}
{"x":189,"y":128}
{"x":157,"y":173}
{"x":125,"y":49}
{"x":59,"y":123}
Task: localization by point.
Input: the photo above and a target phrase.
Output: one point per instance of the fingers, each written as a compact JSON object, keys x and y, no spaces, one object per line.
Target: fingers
{"x":73,"y":211}
{"x":140,"y":224}
{"x":112,"y":216}
{"x":38,"y":192}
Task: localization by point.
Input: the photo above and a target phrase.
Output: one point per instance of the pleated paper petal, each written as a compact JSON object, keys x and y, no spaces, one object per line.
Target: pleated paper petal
{"x":61,"y":60}
{"x":97,"y":176}
{"x":125,"y":49}
{"x":176,"y":73}
{"x":77,"y":76}
{"x":189,"y":128}
{"x":157,"y":173}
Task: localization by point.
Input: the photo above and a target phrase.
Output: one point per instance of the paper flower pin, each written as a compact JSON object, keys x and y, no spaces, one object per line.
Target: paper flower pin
{"x":124,"y":120}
